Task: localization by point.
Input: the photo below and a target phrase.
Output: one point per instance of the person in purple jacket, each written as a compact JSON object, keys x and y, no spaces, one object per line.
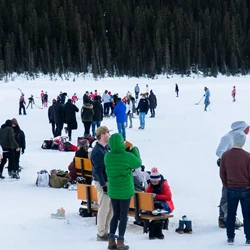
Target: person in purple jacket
{"x":120,"y":113}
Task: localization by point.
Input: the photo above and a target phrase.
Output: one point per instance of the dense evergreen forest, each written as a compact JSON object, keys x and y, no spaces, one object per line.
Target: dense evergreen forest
{"x":124,"y":37}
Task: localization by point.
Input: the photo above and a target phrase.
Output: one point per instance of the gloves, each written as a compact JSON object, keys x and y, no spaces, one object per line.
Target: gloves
{"x":105,"y":189}
{"x":22,"y":151}
{"x":128,"y":112}
{"x":218,"y":162}
{"x":154,"y":195}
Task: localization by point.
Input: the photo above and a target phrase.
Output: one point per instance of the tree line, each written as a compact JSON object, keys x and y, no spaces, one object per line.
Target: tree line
{"x":124,"y":37}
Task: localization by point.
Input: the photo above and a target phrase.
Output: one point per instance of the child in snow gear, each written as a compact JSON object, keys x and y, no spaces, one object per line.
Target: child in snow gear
{"x":163,"y":200}
{"x":74,"y":98}
{"x":21,"y":105}
{"x":207,"y":98}
{"x":234,"y":93}
{"x":60,"y":214}
{"x":31,"y":102}
{"x":185,"y":226}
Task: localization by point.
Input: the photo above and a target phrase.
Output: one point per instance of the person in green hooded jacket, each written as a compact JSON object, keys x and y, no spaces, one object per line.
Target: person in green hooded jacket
{"x":119,"y":165}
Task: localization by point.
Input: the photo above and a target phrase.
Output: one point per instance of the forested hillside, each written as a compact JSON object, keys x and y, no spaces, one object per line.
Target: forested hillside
{"x":124,"y":37}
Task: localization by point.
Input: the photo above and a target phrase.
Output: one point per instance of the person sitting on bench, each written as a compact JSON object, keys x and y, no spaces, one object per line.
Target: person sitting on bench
{"x":83,"y":148}
{"x":163,"y":201}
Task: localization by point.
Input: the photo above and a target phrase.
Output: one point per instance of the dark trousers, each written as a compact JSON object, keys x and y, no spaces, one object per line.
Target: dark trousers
{"x":106,"y":108}
{"x":94,"y":125}
{"x":11,"y":157}
{"x":21,"y":107}
{"x":69,"y":131}
{"x":30,"y":104}
{"x":87,"y":127}
{"x":59,"y":127}
{"x":53,"y":126}
{"x":17,"y":155}
{"x":152,"y":111}
{"x":234,"y":195}
{"x":120,"y":209}
{"x":136,"y":95}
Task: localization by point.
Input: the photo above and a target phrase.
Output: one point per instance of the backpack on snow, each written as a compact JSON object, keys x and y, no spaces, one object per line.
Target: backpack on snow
{"x":42,"y":179}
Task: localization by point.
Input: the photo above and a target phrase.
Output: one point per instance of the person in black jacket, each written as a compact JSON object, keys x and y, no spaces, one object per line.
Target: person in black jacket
{"x":87,"y":113}
{"x":152,"y":103}
{"x":177,"y":90}
{"x":51,"y":117}
{"x":98,"y":114}
{"x":31,"y":102}
{"x":142,"y":109}
{"x":69,"y":114}
{"x":86,"y":98}
{"x":58,"y":116}
{"x":63,"y":96}
{"x":20,"y":139}
{"x":9,"y":145}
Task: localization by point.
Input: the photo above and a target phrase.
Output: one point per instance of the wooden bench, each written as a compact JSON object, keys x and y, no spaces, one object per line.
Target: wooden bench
{"x":140,"y":202}
{"x":85,"y":168}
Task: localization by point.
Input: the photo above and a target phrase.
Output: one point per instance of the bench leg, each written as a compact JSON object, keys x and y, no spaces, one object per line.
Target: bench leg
{"x":145,"y":226}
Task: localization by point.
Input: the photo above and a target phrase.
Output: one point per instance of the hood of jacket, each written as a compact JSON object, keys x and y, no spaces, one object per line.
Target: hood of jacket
{"x":14,"y":122}
{"x":116,"y":143}
{"x":239,"y":126}
{"x":87,"y":106}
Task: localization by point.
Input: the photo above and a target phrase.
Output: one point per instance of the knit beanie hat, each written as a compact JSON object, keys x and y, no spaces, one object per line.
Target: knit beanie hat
{"x":239,"y":139}
{"x":155,"y":175}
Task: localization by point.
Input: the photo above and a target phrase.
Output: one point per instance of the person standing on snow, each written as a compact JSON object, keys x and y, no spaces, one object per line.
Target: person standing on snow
{"x":226,"y":144}
{"x":207,"y":98}
{"x":234,"y":174}
{"x":42,"y":95}
{"x":45,"y":100}
{"x":31,"y":102}
{"x":74,"y":98}
{"x":87,"y":114}
{"x":69,"y":115}
{"x":58,"y":116}
{"x":21,"y":105}
{"x":120,"y":113}
{"x":152,"y":103}
{"x":234,"y":93}
{"x":20,"y":139}
{"x":51,"y":116}
{"x":9,"y":145}
{"x":142,"y":109}
{"x":98,"y":114}
{"x":137,"y":91}
{"x":119,"y":165}
{"x":177,"y":90}
{"x":100,"y":181}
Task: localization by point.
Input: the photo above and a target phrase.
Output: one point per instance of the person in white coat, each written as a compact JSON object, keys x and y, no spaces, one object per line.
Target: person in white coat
{"x":226,"y":144}
{"x":129,"y":113}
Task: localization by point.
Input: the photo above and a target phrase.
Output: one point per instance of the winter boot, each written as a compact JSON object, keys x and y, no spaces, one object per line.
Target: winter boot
{"x":1,"y":176}
{"x":112,"y":243}
{"x":188,"y":228}
{"x":158,"y":230}
{"x":165,"y":224}
{"x":121,"y":245}
{"x":180,"y":229}
{"x":60,"y":214}
{"x":17,"y":176}
{"x":152,"y":230}
{"x":221,"y":223}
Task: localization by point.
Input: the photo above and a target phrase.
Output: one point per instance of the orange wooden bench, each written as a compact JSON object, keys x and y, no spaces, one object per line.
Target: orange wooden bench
{"x":140,"y":202}
{"x":85,"y":168}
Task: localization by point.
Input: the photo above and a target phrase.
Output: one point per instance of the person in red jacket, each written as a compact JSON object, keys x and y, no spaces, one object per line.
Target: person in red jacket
{"x":163,"y":201}
{"x":161,"y":190}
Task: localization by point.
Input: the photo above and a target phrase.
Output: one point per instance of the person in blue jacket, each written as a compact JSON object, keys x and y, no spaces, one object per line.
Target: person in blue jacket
{"x":207,"y":98}
{"x":120,"y":113}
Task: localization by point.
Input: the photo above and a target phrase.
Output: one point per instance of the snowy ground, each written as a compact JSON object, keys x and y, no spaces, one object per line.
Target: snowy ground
{"x":181,"y":141}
